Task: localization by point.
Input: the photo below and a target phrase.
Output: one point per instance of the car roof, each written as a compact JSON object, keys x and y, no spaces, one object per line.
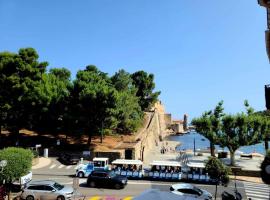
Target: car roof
{"x":182,"y":186}
{"x":101,"y":170}
{"x":41,"y":182}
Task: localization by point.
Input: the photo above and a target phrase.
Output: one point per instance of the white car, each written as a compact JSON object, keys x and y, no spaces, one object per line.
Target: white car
{"x":47,"y":189}
{"x":188,"y":190}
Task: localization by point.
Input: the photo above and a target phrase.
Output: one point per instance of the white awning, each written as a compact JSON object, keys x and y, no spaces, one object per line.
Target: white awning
{"x":127,"y":162}
{"x":166,"y":163}
{"x":100,"y":159}
{"x":196,"y":165}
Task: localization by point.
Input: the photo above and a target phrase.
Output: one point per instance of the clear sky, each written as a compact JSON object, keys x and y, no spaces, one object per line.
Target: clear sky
{"x":200,"y":52}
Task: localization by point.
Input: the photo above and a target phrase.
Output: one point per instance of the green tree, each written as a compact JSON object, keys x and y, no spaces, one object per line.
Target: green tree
{"x":209,"y":125}
{"x":217,"y":171}
{"x":239,"y":130}
{"x":128,"y":114}
{"x":96,"y":101}
{"x":19,"y":163}
{"x":6,"y":61}
{"x":145,"y":85}
{"x":20,"y":74}
{"x":53,"y":108}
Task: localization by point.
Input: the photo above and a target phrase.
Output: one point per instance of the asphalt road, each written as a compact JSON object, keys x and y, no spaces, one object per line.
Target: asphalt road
{"x":65,"y":175}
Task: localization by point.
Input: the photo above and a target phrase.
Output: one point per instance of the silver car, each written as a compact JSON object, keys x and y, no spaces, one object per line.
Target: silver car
{"x":47,"y":189}
{"x":188,"y":190}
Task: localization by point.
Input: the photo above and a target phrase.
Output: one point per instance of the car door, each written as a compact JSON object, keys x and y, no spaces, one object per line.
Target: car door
{"x":35,"y":191}
{"x":96,"y":177}
{"x":193,"y":193}
{"x":48,"y":193}
{"x":89,"y":168}
{"x":105,"y":180}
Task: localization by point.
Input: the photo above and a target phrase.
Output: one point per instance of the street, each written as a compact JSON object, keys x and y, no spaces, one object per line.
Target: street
{"x":65,"y":175}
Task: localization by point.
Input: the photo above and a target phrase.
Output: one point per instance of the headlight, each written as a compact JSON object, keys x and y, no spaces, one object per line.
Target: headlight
{"x":123,"y":181}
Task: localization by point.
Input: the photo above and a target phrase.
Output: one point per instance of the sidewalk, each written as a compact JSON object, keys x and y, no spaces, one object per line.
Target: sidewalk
{"x":43,"y":162}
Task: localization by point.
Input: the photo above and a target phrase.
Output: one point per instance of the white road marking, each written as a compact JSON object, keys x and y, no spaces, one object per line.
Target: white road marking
{"x":256,"y":191}
{"x":68,"y":167}
{"x":53,"y":166}
{"x":61,"y":166}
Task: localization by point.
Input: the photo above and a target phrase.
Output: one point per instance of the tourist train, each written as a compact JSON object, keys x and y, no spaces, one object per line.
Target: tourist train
{"x":159,"y":170}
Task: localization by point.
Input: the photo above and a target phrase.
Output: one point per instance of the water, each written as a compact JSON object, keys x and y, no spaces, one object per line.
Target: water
{"x":187,"y":142}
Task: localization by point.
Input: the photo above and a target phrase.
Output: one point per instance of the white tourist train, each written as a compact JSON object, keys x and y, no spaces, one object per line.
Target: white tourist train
{"x":196,"y":171}
{"x":165,"y":170}
{"x":129,"y":168}
{"x":169,"y":170}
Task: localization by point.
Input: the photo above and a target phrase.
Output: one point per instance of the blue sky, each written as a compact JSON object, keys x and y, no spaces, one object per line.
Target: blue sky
{"x":200,"y":52}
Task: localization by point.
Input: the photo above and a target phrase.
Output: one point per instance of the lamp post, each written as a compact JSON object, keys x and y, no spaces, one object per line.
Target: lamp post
{"x":194,"y":146}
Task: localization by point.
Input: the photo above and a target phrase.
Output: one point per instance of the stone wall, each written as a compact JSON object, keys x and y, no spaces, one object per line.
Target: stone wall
{"x":150,"y":137}
{"x":168,"y":119}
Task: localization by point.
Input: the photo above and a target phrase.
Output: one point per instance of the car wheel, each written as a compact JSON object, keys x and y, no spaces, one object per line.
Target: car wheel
{"x":92,"y":184}
{"x":60,"y":198}
{"x":117,"y":186}
{"x":80,"y":174}
{"x":30,"y":197}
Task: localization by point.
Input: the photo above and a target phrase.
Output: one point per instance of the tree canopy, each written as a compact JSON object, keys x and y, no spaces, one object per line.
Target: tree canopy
{"x":145,"y":85}
{"x":33,"y":98}
{"x":232,"y":130}
{"x":217,"y":171}
{"x":19,"y":163}
{"x":209,"y":125}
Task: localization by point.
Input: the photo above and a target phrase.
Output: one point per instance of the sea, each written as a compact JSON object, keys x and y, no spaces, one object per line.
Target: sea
{"x":187,"y":142}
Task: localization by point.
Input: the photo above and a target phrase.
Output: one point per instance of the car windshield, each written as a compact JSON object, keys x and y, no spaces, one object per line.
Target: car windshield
{"x":58,"y":186}
{"x":112,"y":174}
{"x":198,"y":190}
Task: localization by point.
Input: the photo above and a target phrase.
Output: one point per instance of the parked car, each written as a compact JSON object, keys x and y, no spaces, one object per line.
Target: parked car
{"x":70,"y":159}
{"x":189,"y":190}
{"x":46,"y":189}
{"x":106,"y":179}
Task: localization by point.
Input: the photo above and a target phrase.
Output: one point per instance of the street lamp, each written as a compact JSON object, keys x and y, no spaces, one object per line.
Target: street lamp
{"x":3,"y":163}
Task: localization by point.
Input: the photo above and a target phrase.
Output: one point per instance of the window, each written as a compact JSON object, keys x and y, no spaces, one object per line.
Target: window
{"x":99,"y":163}
{"x":188,"y":191}
{"x":99,"y":174}
{"x":194,"y":192}
{"x":198,"y":191}
{"x":48,"y":188}
{"x":35,"y":187}
{"x":58,"y":186}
